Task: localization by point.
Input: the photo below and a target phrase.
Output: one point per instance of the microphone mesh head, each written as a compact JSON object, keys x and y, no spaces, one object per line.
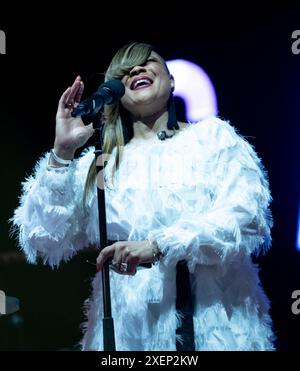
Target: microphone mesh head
{"x":116,"y":87}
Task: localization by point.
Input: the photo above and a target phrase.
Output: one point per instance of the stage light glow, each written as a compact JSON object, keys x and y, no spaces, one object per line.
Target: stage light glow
{"x":193,"y":85}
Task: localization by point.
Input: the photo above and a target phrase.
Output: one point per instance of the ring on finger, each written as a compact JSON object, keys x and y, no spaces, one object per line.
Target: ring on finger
{"x":123,"y":267}
{"x":115,"y":265}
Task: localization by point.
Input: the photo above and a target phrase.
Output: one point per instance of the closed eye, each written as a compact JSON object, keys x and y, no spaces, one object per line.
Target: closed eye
{"x":148,"y":61}
{"x":151,"y":60}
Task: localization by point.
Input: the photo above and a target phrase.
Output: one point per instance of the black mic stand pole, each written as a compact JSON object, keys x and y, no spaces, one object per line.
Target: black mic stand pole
{"x":108,"y":321}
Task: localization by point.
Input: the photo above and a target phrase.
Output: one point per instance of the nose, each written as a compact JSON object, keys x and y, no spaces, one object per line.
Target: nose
{"x":136,"y":70}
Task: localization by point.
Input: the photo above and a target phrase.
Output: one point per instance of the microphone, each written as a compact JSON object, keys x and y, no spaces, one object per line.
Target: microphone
{"x":108,"y":93}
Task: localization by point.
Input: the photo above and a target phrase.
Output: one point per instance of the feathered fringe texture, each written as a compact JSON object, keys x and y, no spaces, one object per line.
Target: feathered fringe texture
{"x":215,"y":216}
{"x":50,"y":221}
{"x":140,"y":322}
{"x":238,"y":219}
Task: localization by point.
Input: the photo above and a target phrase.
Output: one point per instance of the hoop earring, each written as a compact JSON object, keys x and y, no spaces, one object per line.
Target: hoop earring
{"x":172,"y":119}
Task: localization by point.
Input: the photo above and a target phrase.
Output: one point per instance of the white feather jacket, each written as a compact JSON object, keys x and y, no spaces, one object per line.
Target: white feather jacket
{"x":204,"y":197}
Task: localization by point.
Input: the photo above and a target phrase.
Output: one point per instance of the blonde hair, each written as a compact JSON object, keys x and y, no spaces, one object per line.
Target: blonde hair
{"x":117,"y":129}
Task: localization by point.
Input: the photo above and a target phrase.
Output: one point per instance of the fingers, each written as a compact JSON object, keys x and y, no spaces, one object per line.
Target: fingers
{"x":75,"y":89}
{"x":64,"y":97}
{"x":79,"y":92}
{"x":131,"y":269}
{"x":123,"y":261}
{"x":72,"y":94}
{"x":132,"y":263}
{"x":106,"y":253}
{"x":125,"y":258}
{"x":124,"y":268}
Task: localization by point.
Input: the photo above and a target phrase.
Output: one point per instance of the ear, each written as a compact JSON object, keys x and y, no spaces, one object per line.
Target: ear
{"x":172,"y":81}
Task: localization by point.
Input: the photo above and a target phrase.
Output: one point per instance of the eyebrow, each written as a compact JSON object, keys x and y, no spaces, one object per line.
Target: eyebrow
{"x":157,"y":59}
{"x":152,"y":57}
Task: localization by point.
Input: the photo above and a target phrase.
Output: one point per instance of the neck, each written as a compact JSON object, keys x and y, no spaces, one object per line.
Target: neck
{"x":148,"y":127}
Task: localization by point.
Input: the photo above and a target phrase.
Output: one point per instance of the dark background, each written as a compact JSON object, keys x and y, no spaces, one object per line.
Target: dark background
{"x":247,"y":53}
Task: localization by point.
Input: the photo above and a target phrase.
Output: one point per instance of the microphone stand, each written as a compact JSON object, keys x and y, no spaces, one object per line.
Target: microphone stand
{"x":108,"y":322}
{"x":107,"y":93}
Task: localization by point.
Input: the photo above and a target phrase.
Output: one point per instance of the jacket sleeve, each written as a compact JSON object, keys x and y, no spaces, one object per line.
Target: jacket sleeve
{"x":50,"y":221}
{"x":238,"y":220}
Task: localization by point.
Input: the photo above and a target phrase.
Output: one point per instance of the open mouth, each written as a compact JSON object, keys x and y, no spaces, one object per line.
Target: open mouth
{"x":141,"y":83}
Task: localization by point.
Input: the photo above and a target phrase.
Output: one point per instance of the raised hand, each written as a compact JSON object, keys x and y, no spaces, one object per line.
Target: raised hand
{"x":71,"y":133}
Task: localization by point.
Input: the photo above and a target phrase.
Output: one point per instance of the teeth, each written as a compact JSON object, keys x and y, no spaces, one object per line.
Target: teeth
{"x":141,"y":82}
